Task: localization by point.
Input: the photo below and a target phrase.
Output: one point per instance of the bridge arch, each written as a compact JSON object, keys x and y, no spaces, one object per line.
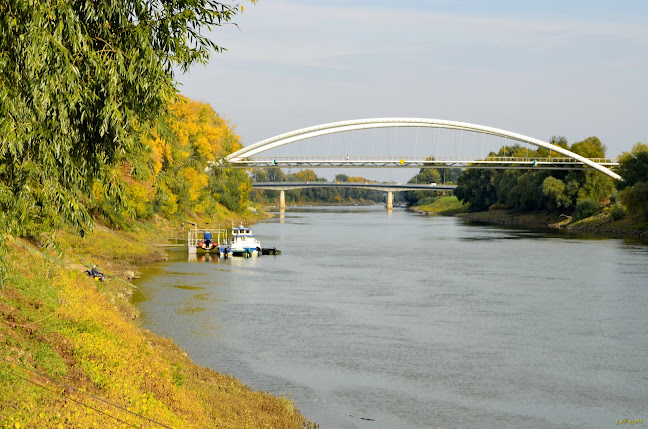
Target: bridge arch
{"x":360,"y":124}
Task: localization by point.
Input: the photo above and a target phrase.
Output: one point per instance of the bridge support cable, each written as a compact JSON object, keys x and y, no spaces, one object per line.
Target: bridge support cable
{"x":373,"y":141}
{"x":336,"y":127}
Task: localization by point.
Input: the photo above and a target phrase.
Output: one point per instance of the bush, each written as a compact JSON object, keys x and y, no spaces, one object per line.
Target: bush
{"x":425,"y":201}
{"x":617,"y":213}
{"x":585,"y":208}
{"x":635,"y":198}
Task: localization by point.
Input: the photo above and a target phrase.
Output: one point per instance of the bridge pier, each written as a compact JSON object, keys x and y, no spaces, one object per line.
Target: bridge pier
{"x":390,"y":200}
{"x":282,"y":199}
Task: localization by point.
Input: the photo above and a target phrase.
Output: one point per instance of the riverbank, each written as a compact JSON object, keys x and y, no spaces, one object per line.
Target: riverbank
{"x":71,"y":355}
{"x":601,"y":223}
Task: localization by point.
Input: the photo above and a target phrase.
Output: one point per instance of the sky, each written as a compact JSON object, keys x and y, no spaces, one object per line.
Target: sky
{"x":553,"y":68}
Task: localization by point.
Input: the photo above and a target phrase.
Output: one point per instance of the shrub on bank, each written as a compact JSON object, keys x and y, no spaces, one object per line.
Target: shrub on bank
{"x":585,"y":208}
{"x":617,"y":213}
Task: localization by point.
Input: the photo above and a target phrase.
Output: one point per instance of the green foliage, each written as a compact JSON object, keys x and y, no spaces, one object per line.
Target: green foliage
{"x":635,"y":198}
{"x":77,"y":79}
{"x":633,"y":166}
{"x":172,"y":176}
{"x":617,"y":212}
{"x":426,"y":201}
{"x":591,"y":147}
{"x":450,"y":175}
{"x":521,"y":190}
{"x":585,"y":208}
{"x":478,"y":188}
{"x":447,"y":205}
{"x":554,"y":190}
{"x":592,"y":184}
{"x":528,"y":190}
{"x":259,"y":175}
{"x":230,"y":187}
{"x":424,"y":176}
{"x":275,"y":174}
{"x":177,"y":374}
{"x":79,"y":84}
{"x":559,"y":141}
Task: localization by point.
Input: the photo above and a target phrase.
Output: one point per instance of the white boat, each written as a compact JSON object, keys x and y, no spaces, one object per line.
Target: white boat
{"x":243,"y":242}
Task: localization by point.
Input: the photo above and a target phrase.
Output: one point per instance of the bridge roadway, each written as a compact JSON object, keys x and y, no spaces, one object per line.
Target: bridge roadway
{"x":497,"y":162}
{"x":385,"y":187}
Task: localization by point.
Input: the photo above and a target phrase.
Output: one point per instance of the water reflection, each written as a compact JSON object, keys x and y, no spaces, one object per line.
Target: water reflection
{"x":204,"y":257}
{"x":417,"y":321}
{"x":215,"y":259}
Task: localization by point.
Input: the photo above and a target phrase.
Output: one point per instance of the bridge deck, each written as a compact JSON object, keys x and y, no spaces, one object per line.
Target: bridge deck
{"x":561,"y":163}
{"x":385,"y":187}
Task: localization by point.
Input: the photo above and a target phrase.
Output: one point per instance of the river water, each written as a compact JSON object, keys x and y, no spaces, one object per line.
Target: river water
{"x":372,"y":319}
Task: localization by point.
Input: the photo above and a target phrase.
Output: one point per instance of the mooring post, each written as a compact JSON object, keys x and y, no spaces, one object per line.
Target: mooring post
{"x":390,"y":200}
{"x":282,"y":199}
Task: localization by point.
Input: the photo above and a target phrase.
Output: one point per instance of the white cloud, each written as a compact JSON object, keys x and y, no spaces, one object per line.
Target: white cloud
{"x":297,"y":64}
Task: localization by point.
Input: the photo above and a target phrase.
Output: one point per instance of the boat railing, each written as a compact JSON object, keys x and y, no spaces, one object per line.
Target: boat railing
{"x":196,"y":235}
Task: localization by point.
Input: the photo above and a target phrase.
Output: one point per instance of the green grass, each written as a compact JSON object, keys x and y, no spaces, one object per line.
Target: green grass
{"x":444,"y":205}
{"x":59,"y":328}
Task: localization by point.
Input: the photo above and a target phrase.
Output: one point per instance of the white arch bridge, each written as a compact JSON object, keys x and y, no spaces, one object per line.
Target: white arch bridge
{"x":249,"y":156}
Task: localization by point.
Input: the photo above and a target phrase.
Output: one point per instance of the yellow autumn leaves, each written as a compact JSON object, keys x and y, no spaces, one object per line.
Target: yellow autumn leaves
{"x":171,"y":176}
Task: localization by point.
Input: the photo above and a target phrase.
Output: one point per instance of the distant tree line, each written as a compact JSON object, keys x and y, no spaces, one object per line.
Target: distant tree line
{"x":332,"y":195}
{"x":527,"y":190}
{"x":577,"y":192}
{"x":427,"y":176}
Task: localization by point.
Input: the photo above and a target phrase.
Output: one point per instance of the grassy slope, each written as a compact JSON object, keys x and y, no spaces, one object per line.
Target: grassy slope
{"x":443,"y":206}
{"x":77,"y":335}
{"x":501,"y":216}
{"x":601,"y":223}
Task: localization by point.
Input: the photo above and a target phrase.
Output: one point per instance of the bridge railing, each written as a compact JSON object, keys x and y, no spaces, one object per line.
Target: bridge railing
{"x":417,"y":160}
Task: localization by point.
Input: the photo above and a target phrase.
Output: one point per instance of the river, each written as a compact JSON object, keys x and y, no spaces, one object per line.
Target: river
{"x":371,"y":319}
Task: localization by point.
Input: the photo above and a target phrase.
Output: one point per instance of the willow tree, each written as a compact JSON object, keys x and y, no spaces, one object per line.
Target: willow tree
{"x":78,"y":80}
